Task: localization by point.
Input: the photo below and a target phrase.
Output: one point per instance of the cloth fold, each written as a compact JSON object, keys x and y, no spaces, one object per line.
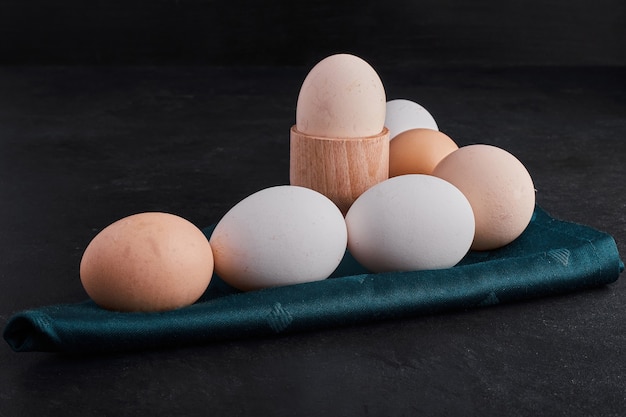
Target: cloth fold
{"x":551,"y":257}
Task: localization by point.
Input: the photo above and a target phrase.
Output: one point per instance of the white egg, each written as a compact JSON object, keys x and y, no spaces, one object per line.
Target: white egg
{"x":402,"y":115}
{"x":279,"y":236}
{"x":410,"y":222}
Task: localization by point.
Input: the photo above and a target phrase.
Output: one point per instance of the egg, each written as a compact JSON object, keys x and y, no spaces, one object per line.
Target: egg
{"x":418,"y":151}
{"x":149,"y":261}
{"x":341,"y":97}
{"x":410,"y":222}
{"x":281,"y":235}
{"x":402,"y":115}
{"x":499,"y":188}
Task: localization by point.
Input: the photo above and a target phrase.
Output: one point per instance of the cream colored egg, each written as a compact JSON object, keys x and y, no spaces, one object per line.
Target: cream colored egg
{"x":410,"y":222}
{"x":279,"y":236}
{"x":498,"y":187}
{"x":147,"y":262}
{"x":341,"y":97}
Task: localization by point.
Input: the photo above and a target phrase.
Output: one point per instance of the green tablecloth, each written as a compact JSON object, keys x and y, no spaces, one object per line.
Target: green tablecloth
{"x":551,"y":257}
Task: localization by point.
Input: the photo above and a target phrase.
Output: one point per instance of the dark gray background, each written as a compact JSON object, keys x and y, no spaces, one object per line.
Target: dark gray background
{"x":109,"y":108}
{"x":283,"y":32}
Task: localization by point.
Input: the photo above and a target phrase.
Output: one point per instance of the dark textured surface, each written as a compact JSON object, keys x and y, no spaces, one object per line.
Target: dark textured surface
{"x":81,"y":147}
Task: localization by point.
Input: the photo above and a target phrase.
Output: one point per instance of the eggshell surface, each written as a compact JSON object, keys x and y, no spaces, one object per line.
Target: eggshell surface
{"x":279,"y":236}
{"x":410,"y":222}
{"x":147,"y":262}
{"x":498,"y":187}
{"x":418,"y":151}
{"x":341,"y":97}
{"x":402,"y":115}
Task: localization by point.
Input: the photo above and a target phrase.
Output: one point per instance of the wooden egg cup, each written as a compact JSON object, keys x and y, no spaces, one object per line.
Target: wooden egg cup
{"x":340,"y":168}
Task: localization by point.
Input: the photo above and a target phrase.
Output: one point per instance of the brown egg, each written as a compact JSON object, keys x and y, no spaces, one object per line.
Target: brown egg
{"x":499,"y":189}
{"x":418,"y":151}
{"x":147,"y":262}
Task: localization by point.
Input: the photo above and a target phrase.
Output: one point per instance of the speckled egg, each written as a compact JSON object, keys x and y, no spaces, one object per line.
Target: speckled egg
{"x":147,"y":262}
{"x":341,"y":97}
{"x":499,"y":188}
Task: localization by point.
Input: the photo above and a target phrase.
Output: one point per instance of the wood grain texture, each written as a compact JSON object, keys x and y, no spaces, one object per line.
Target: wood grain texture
{"x":341,"y":169}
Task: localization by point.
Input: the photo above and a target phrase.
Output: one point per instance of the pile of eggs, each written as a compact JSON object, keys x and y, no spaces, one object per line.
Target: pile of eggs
{"x":439,"y":202}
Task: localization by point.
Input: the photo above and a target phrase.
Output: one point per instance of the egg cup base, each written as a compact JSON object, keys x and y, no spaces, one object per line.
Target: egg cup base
{"x":340,"y":168}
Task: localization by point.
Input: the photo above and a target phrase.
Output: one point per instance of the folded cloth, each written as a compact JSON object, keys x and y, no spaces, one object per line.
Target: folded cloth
{"x":550,"y":257}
